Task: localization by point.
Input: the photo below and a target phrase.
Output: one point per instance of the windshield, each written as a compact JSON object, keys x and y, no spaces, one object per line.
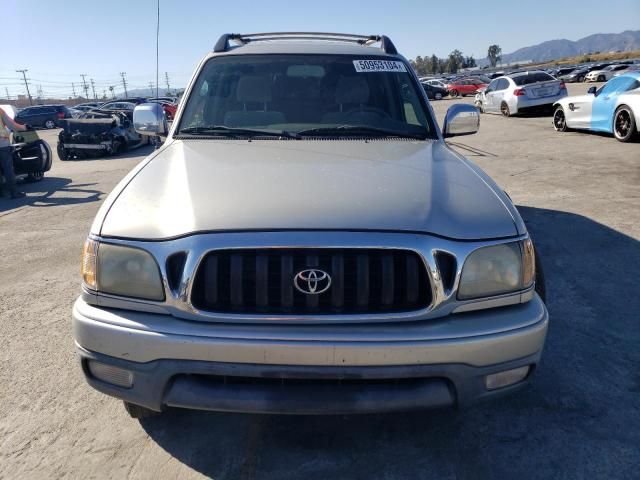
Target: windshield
{"x":532,"y":77}
{"x":306,"y":93}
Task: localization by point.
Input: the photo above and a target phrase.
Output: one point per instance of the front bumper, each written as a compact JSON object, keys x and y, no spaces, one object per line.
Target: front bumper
{"x":309,"y":368}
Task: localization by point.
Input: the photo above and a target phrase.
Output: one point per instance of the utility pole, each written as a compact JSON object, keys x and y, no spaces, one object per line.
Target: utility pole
{"x":93,"y":87}
{"x":26,"y":84}
{"x":85,"y":87}
{"x":151,"y":88}
{"x":73,"y":87}
{"x":104,"y":93}
{"x":124,"y":84}
{"x":166,"y":76}
{"x":112,"y":94}
{"x":7,"y":91}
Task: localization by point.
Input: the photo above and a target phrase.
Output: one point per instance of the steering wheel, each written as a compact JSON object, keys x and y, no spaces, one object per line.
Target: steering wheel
{"x":366,"y":109}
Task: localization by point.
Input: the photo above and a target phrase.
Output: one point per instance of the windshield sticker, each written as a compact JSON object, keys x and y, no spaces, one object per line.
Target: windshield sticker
{"x":378,"y":66}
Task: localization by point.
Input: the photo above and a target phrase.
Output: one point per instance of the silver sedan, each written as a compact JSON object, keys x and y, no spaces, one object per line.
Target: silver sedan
{"x":520,"y":92}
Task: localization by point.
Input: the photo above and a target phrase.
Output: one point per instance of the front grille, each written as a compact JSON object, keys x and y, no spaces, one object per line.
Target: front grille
{"x":262,"y":281}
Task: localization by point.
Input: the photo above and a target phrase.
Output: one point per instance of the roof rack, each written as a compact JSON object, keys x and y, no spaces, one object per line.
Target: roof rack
{"x":224,"y":42}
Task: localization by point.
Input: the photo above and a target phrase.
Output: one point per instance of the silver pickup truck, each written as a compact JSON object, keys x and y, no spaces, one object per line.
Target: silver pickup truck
{"x":306,"y":242}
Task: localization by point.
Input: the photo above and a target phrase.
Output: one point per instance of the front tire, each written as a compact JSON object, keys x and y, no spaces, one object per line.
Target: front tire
{"x":559,"y":120}
{"x":138,"y":411}
{"x":438,"y":96}
{"x":504,"y":109}
{"x":479,"y":107}
{"x":34,"y":177}
{"x":624,"y":124}
{"x":63,"y":154}
{"x":50,"y":124}
{"x":453,"y":93}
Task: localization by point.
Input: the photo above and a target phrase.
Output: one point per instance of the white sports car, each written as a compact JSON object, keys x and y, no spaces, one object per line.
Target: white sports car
{"x":613,"y":108}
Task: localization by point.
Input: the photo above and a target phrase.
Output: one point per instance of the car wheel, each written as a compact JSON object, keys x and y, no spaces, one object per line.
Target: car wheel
{"x":63,"y":154}
{"x":582,"y":79}
{"x":50,"y":124}
{"x":35,"y":177}
{"x":438,"y":96}
{"x":138,"y":411}
{"x":479,"y":106}
{"x":624,"y":124}
{"x":504,"y":109}
{"x":453,"y":93}
{"x":559,"y":120}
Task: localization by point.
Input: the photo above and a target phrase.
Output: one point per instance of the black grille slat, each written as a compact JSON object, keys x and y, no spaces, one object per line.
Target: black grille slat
{"x":261,"y":281}
{"x":211,"y":279}
{"x":411,"y":280}
{"x":235,"y":280}
{"x":362,"y":279}
{"x":388,"y":280}
{"x":337,"y":281}
{"x":286,"y":284}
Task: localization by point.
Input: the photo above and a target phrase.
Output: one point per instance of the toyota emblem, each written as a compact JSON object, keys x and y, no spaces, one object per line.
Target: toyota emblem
{"x":312,"y":281}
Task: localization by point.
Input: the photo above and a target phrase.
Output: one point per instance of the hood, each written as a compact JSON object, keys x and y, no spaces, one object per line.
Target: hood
{"x":222,"y":185}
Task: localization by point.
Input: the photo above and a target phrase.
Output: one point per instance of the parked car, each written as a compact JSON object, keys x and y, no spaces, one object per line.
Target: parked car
{"x":316,"y":263}
{"x":436,"y":83}
{"x":88,"y":105}
{"x":521,"y":92}
{"x":122,"y":104}
{"x":574,"y":76}
{"x":613,"y":108}
{"x":434,"y":92}
{"x":464,"y":87}
{"x":604,"y":74}
{"x":99,"y":133}
{"x":47,"y":116}
{"x":562,"y":71}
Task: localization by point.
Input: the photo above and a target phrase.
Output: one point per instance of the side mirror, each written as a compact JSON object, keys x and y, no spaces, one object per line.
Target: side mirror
{"x":461,"y":119}
{"x":592,"y":90}
{"x":149,"y":119}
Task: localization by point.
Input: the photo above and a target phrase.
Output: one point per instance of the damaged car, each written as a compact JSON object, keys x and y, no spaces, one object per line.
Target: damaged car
{"x":98,"y":133}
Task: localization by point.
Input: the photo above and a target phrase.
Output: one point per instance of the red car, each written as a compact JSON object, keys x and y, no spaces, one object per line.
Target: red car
{"x":170,"y":110}
{"x":465,"y":86}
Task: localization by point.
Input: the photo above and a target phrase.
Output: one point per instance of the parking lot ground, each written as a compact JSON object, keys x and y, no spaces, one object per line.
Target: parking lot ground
{"x":580,"y":418}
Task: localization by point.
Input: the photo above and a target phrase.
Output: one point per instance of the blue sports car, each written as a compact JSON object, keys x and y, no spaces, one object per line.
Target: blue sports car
{"x":613,"y":108}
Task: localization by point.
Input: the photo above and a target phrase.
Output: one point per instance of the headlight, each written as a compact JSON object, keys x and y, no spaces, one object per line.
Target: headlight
{"x":498,"y":269}
{"x":118,"y":270}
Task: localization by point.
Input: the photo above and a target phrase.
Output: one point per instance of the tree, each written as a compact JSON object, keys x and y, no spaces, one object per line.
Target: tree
{"x":434,"y":64}
{"x":495,"y":54}
{"x":455,"y":61}
{"x":469,"y":62}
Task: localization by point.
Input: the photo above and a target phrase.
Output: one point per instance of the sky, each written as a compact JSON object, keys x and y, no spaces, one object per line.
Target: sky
{"x":58,"y":40}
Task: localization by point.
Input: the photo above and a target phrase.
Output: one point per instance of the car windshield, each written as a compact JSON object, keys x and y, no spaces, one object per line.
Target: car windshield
{"x":530,"y":78}
{"x":336,"y":95}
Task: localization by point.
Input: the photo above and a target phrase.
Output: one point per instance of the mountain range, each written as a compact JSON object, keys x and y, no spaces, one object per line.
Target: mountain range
{"x":555,"y":49}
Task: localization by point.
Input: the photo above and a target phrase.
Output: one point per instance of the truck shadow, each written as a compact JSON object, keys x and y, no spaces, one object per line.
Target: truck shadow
{"x":51,"y":192}
{"x":574,"y":419}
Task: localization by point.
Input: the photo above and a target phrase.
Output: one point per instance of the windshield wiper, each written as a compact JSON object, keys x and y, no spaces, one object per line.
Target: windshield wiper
{"x":223,"y":130}
{"x":363,"y":130}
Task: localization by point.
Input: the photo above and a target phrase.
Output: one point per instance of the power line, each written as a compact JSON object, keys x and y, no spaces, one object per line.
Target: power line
{"x":85,"y":86}
{"x":124,"y":84}
{"x":166,"y":76}
{"x":93,"y":87}
{"x":26,"y":84}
